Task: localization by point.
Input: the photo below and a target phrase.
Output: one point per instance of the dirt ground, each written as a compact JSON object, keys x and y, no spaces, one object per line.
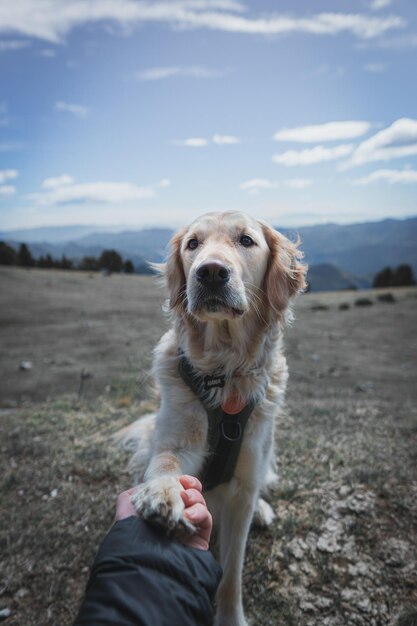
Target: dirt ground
{"x":343,"y":549}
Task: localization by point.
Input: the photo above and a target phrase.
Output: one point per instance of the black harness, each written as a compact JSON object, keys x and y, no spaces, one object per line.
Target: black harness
{"x":225,"y":431}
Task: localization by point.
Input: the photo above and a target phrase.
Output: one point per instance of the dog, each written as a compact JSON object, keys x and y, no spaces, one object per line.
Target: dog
{"x":231,"y":280}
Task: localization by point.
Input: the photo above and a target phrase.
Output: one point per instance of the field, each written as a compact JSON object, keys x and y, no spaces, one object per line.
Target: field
{"x":343,"y":549}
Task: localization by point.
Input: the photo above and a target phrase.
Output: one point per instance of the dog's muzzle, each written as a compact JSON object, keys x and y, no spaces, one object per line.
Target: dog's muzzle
{"x":213,"y":275}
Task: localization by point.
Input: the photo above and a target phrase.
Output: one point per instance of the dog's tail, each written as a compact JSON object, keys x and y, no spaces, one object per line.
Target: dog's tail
{"x":137,"y":438}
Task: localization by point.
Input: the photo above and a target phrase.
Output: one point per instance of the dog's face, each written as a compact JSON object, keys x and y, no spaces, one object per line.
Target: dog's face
{"x":225,"y":265}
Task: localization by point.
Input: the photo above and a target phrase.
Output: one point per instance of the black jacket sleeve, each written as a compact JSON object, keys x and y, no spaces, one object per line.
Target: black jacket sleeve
{"x":142,"y":578}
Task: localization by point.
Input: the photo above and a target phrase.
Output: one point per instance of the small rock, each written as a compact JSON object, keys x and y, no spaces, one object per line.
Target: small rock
{"x":363,"y":302}
{"x":386,"y":297}
{"x":366,"y":386}
{"x":328,"y":543}
{"x":323,"y":603}
{"x":307,"y":606}
{"x":364,"y":605}
{"x":345,"y":490}
{"x":344,"y":306}
{"x":358,"y":569}
{"x":348,"y":594}
{"x":54,"y":493}
{"x":297,"y":547}
{"x":395,"y":552}
{"x":5,"y":613}
{"x":25,"y":366}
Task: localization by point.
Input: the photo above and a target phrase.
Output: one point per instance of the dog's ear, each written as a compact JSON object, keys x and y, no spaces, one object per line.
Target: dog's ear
{"x":285,"y":274}
{"x":174,"y":274}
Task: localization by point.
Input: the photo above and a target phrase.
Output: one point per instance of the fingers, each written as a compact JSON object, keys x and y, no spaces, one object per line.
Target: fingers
{"x":192,"y":496}
{"x":196,"y":511}
{"x":199,"y":515}
{"x":190,"y":482}
{"x":124,"y":506}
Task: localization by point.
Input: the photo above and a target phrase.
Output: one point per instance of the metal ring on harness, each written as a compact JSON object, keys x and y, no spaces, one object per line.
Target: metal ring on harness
{"x":231,"y":430}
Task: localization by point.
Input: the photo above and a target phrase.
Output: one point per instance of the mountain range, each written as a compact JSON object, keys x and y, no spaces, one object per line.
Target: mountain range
{"x":356,"y":252}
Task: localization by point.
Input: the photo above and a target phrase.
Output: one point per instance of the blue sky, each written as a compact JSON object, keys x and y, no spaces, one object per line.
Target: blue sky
{"x":127,"y":113}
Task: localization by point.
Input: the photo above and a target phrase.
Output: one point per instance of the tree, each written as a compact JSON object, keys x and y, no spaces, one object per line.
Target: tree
{"x":24,"y":256}
{"x":46,"y":262}
{"x":403,"y":276}
{"x":89,"y":264}
{"x":128,"y":267}
{"x":64,"y":263}
{"x":111,"y":261}
{"x":400,"y":277}
{"x":383,"y":278}
{"x":7,"y":254}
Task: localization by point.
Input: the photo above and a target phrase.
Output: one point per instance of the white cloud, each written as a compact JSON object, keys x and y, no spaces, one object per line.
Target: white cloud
{"x":59,"y":181}
{"x":255,"y":185}
{"x":64,"y":190}
{"x":311,"y":156}
{"x":331,"y":131}
{"x":202,"y":142}
{"x":331,"y":72}
{"x":193,"y":71}
{"x":75,"y":109}
{"x":54,"y":19}
{"x":7,"y":190}
{"x":407,"y":40}
{"x":223,"y":140}
{"x":376,"y":5}
{"x":375,"y":68}
{"x":8,"y":45}
{"x":298,"y":183}
{"x":8,"y":175}
{"x":193,"y":142}
{"x":48,"y":53}
{"x":397,"y":141}
{"x":389,"y":176}
{"x":164,"y":183}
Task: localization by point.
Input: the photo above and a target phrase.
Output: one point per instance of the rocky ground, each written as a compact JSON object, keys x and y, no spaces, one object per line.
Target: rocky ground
{"x":342,"y":550}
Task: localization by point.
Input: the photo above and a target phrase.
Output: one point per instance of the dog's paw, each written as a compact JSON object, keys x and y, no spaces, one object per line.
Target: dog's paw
{"x":263,"y":515}
{"x":159,"y":502}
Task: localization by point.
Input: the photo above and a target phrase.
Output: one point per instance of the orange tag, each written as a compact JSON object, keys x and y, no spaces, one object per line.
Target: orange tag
{"x":234,"y":404}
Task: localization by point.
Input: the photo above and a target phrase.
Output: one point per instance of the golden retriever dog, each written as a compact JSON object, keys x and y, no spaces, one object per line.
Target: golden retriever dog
{"x":230,"y":279}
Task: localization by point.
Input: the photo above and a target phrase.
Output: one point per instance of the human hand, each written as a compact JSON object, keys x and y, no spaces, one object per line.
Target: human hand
{"x":195,"y":510}
{"x":124,"y":506}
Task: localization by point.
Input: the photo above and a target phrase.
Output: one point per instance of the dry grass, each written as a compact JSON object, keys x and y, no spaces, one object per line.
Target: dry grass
{"x":343,"y":549}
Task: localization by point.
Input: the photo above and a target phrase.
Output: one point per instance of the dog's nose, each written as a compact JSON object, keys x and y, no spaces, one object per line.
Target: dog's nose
{"x":213,"y":274}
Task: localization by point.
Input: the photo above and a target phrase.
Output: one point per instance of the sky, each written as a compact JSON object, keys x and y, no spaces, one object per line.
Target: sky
{"x":123,"y":113}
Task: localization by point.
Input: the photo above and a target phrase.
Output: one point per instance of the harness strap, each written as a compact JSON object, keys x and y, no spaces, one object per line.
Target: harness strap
{"x":225,"y":430}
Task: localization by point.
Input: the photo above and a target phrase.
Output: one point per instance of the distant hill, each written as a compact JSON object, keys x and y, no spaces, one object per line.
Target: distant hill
{"x":356,"y":251}
{"x":362,"y":249}
{"x":52,"y":234}
{"x":326,"y":277}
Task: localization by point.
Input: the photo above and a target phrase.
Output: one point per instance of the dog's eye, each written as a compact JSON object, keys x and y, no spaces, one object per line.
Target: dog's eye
{"x":246,"y":241}
{"x":192,"y":244}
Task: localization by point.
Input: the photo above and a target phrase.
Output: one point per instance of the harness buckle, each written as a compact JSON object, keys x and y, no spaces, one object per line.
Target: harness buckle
{"x":231,"y":430}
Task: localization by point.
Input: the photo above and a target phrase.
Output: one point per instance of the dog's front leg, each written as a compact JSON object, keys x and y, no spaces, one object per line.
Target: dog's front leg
{"x":158,"y":498}
{"x":235,"y":520}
